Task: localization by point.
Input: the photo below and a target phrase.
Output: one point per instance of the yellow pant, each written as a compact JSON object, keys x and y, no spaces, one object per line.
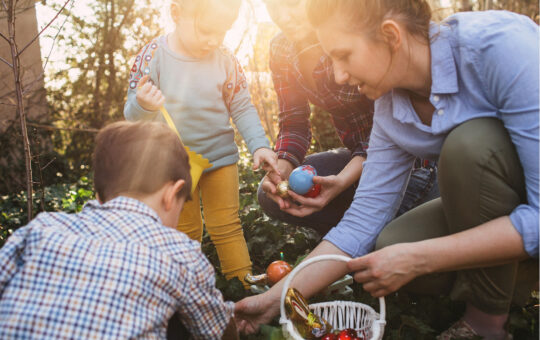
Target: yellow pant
{"x":219,"y":190}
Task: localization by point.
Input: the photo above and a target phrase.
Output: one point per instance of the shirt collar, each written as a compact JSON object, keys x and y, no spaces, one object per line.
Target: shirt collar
{"x":443,"y":65}
{"x":125,"y":204}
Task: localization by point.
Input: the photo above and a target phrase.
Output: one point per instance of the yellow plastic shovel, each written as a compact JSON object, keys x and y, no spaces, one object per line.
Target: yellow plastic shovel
{"x":197,"y":162}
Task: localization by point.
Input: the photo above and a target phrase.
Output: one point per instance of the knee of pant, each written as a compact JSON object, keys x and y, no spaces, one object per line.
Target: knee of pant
{"x":386,"y":237}
{"x":231,"y":234}
{"x":469,"y":145}
{"x":261,"y":195}
{"x":269,"y":207}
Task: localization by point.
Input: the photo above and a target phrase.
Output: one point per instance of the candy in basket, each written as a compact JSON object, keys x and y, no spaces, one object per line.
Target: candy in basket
{"x":309,"y":325}
{"x":349,"y":320}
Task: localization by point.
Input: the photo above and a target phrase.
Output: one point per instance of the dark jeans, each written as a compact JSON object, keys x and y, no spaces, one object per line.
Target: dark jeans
{"x":176,"y":329}
{"x":422,"y":188}
{"x":480,"y":178}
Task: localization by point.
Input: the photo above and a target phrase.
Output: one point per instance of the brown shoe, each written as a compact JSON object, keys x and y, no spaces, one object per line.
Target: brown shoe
{"x":459,"y":330}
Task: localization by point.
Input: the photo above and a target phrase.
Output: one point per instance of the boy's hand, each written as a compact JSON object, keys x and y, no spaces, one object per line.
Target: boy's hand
{"x":265,"y":158}
{"x":149,"y":96}
{"x":253,"y":311}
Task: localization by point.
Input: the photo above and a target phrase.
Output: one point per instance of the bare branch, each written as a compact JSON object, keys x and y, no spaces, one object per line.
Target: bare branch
{"x":5,"y":61}
{"x":56,"y":36}
{"x":47,"y":165}
{"x":44,"y":28}
{"x":50,"y":127}
{"x":20,"y":105}
{"x":4,"y":37}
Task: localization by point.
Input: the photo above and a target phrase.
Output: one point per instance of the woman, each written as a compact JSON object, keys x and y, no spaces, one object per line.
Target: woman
{"x":302,"y":74}
{"x":466,"y":93}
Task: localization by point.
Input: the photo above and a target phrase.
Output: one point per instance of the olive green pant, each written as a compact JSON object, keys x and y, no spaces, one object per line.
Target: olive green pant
{"x":480,"y":179}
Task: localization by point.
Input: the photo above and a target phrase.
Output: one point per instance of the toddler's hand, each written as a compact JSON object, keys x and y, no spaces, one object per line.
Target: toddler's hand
{"x":265,"y":158}
{"x":149,"y":96}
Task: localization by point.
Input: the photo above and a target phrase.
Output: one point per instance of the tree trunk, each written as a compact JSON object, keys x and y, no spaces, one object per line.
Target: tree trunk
{"x":20,"y":104}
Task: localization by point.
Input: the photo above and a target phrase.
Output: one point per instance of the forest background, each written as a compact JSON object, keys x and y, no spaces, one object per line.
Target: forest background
{"x":86,"y":55}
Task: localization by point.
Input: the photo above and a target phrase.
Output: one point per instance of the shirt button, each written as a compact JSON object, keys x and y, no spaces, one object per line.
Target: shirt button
{"x":440,"y":112}
{"x":436,"y":98}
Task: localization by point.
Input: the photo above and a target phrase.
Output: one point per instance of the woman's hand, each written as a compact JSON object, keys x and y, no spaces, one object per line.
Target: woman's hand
{"x":388,"y":269}
{"x":331,"y":186}
{"x":254,"y":311}
{"x":272,"y":179}
{"x":149,"y":96}
{"x":265,"y":158}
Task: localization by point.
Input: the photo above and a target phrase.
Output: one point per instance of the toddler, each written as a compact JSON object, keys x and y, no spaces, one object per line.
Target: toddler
{"x":202,"y":86}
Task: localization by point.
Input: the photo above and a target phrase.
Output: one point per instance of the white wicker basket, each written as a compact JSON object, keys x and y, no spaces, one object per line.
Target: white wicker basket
{"x":340,"y":314}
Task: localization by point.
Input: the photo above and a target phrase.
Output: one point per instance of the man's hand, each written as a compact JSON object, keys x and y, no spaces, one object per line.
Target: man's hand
{"x":331,"y":186}
{"x":272,"y":179}
{"x":388,"y":269}
{"x":254,"y":311}
{"x":149,"y":96}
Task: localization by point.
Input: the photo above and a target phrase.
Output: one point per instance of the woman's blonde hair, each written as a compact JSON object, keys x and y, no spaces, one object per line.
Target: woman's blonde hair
{"x":369,"y":14}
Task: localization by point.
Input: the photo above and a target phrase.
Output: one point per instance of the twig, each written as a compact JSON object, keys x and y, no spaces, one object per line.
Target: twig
{"x":3,"y":36}
{"x":47,"y":165}
{"x":50,"y":127}
{"x":41,"y":183}
{"x":7,"y":62}
{"x":44,"y":28}
{"x":56,"y":36}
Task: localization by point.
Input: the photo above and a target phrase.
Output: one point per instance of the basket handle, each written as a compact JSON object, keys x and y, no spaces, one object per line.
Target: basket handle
{"x":169,"y":121}
{"x":319,"y":258}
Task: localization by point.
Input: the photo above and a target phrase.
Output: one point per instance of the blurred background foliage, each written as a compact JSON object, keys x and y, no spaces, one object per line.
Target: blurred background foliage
{"x":87,"y":90}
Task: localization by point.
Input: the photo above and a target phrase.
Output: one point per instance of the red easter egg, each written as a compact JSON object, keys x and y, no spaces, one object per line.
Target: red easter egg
{"x":329,"y":336}
{"x":347,"y":334}
{"x":314,"y":191}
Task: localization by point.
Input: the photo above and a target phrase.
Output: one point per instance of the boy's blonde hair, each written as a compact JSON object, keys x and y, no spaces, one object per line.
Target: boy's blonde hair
{"x":369,"y":14}
{"x":138,"y":158}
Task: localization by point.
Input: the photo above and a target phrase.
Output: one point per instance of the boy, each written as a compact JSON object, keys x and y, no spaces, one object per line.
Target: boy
{"x":118,"y":269}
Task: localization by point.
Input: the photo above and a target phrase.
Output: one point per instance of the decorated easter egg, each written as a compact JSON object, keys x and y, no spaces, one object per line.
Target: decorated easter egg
{"x":277,"y":270}
{"x":301,"y":179}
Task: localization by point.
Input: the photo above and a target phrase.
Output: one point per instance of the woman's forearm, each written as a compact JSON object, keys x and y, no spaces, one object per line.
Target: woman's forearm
{"x":352,"y":171}
{"x":316,"y":276}
{"x":492,"y":243}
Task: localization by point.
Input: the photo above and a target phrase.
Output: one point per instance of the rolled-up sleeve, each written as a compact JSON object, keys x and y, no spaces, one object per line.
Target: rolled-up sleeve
{"x":515,"y":91}
{"x":377,"y":197}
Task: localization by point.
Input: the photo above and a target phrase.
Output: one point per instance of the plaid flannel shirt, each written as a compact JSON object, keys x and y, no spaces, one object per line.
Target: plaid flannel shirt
{"x":351,"y":112}
{"x":112,"y":271}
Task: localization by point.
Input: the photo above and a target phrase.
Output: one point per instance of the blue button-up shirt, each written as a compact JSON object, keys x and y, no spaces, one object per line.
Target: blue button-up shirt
{"x":483,"y":64}
{"x":112,"y":271}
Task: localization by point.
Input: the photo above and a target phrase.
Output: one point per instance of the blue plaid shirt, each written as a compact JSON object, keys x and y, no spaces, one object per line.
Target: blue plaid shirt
{"x":112,"y":271}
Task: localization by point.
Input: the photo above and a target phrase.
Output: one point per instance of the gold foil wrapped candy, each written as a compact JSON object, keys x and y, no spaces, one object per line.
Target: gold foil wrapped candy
{"x":259,"y":280}
{"x":282,"y":189}
{"x":308,"y":325}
